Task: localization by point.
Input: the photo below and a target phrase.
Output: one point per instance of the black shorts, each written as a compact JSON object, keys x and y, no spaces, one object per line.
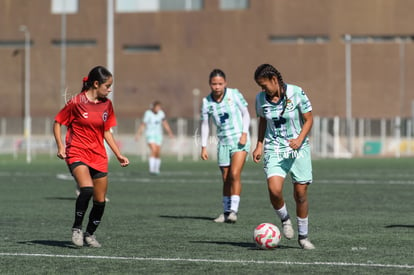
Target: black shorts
{"x":95,"y":174}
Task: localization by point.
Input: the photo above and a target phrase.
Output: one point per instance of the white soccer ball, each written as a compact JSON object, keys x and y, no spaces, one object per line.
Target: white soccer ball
{"x":267,"y":236}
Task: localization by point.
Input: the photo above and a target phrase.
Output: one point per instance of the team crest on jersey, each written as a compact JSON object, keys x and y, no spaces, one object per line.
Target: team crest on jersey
{"x":289,"y":105}
{"x":230,"y":101}
{"x":105,"y":116}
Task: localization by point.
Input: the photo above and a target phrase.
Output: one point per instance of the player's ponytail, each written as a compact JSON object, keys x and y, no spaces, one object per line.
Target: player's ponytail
{"x":99,"y":73}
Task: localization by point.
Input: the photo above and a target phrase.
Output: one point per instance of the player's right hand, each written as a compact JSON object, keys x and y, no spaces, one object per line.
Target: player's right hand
{"x":204,"y":154}
{"x":257,"y":155}
{"x":61,"y":154}
{"x":124,"y":161}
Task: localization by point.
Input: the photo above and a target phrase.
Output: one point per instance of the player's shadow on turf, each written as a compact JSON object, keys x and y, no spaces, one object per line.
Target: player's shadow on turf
{"x":187,"y":217}
{"x":61,"y":198}
{"x":250,"y":246}
{"x":400,"y":225}
{"x":50,"y":243}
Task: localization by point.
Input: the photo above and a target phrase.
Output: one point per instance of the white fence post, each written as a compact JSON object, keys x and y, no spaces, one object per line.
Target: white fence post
{"x":3,"y":126}
{"x":397,"y":134}
{"x":361,"y":136}
{"x":324,"y":137}
{"x":383,"y":130}
{"x":337,"y":142}
{"x":180,"y":138}
{"x":316,"y":134}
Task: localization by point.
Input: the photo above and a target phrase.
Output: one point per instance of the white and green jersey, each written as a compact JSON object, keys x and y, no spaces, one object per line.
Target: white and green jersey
{"x":283,"y":126}
{"x":226,"y":115}
{"x":153,"y":123}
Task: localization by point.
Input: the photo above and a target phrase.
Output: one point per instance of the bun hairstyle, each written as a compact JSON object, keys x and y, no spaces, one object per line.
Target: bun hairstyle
{"x":99,"y":73}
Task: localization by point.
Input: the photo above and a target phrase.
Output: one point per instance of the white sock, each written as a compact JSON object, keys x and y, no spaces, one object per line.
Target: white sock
{"x":282,"y":213}
{"x":157,"y":165}
{"x":303,"y":226}
{"x":152,"y":165}
{"x":226,"y":204}
{"x":235,"y":201}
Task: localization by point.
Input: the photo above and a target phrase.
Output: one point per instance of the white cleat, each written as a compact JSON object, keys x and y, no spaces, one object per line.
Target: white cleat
{"x":288,"y":229}
{"x":232,"y":217}
{"x":91,"y":241}
{"x":306,"y":244}
{"x":222,"y":218}
{"x":77,"y":237}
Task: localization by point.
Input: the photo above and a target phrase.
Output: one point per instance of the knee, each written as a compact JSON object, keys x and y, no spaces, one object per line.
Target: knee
{"x":276,"y":195}
{"x":300,"y":197}
{"x":86,"y":191}
{"x":234,"y":176}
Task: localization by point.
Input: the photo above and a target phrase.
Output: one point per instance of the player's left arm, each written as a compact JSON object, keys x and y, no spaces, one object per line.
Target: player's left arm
{"x":109,"y":138}
{"x":306,"y":127}
{"x":167,"y":128}
{"x":242,"y":104}
{"x":246,"y":125}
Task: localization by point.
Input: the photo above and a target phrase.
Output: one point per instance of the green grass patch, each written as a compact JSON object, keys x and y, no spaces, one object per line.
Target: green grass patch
{"x":361,"y":220}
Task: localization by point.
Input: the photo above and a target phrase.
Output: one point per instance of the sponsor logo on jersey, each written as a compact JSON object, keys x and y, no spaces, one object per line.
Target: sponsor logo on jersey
{"x":85,"y":115}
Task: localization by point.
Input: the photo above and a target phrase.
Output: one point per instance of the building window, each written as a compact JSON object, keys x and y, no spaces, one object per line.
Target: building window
{"x":12,"y":44}
{"x":136,"y":5}
{"x":64,"y":6}
{"x":75,"y":42}
{"x":142,"y":48}
{"x":379,"y":38}
{"x":180,"y":5}
{"x":125,"y":6}
{"x":234,"y":4}
{"x":304,"y":39}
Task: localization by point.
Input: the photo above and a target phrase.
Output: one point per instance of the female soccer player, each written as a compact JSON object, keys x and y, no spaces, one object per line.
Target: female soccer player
{"x":229,"y":111}
{"x":285,"y":119}
{"x":153,"y":121}
{"x":88,"y":116}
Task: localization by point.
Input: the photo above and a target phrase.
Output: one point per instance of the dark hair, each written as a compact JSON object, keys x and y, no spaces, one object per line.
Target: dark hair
{"x":99,"y":73}
{"x":155,"y":103}
{"x":268,"y":71}
{"x":217,"y":72}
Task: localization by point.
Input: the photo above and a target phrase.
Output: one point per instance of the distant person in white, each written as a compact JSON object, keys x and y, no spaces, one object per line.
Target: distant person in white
{"x":153,"y":122}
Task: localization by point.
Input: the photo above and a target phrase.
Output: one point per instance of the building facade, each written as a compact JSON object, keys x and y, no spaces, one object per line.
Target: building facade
{"x":164,"y":50}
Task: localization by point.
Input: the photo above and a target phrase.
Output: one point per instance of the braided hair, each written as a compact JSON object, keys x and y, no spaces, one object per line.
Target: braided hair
{"x":268,"y":71}
{"x":99,"y":73}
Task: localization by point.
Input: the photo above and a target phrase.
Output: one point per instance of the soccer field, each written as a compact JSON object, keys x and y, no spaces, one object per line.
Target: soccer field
{"x":361,"y":220}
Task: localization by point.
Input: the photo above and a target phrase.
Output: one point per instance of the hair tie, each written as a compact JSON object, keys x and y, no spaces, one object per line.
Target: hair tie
{"x":85,"y":79}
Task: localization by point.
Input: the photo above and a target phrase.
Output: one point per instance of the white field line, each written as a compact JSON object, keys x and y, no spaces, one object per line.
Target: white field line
{"x":246,"y":178}
{"x":209,"y":260}
{"x":260,"y":181}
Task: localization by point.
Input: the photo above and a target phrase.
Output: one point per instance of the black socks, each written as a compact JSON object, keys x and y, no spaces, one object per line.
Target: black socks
{"x":82,"y":205}
{"x":95,"y":216}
